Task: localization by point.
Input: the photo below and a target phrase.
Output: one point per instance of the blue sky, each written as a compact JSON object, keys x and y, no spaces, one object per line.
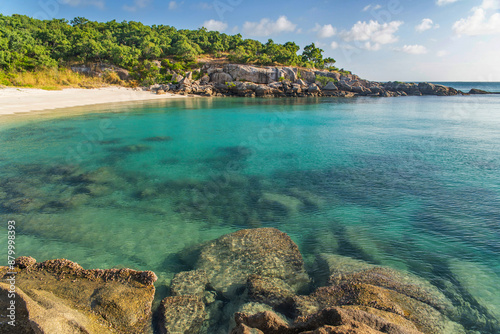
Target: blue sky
{"x":434,"y":40}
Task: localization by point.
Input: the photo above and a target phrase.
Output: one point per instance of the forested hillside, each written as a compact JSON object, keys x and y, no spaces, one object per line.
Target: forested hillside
{"x":28,"y":44}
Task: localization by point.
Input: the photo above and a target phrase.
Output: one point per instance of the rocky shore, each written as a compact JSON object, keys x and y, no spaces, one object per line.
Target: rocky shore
{"x":250,"y":281}
{"x":253,"y":81}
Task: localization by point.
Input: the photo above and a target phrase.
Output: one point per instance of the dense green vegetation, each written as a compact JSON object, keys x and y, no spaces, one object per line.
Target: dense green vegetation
{"x":28,"y":44}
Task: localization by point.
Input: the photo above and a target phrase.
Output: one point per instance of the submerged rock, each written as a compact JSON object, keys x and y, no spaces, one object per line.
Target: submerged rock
{"x":267,"y":252}
{"x":158,"y":138}
{"x":182,"y":314}
{"x":132,"y":148}
{"x":189,"y":283}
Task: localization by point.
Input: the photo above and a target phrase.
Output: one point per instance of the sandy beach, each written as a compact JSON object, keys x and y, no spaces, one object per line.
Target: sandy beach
{"x":22,"y":100}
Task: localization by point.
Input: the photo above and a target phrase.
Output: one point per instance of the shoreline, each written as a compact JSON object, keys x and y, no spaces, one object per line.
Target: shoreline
{"x":25,"y":100}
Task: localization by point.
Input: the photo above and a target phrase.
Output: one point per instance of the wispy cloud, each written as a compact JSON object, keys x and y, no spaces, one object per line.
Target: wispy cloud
{"x":442,"y":53}
{"x":426,"y":24}
{"x":138,"y":4}
{"x":172,"y":5}
{"x":267,"y":27}
{"x":372,"y":7}
{"x":444,"y":2}
{"x":413,"y":49}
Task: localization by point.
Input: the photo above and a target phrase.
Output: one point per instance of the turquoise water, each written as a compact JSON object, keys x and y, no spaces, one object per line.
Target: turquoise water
{"x":412,"y":183}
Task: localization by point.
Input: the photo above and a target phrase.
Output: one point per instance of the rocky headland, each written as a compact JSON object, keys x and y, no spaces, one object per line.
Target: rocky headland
{"x":250,"y":281}
{"x":277,"y":81}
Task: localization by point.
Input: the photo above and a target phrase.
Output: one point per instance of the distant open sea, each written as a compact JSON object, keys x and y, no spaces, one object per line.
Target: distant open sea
{"x":411,"y":183}
{"x":467,"y":86}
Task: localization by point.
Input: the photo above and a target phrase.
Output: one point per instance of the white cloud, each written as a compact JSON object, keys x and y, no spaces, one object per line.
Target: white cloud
{"x":173,"y":5}
{"x":97,"y":3}
{"x":478,"y":23}
{"x":213,"y":25}
{"x":426,"y":24}
{"x":413,"y":49}
{"x":445,"y":2}
{"x":374,"y":34}
{"x":490,"y":4}
{"x":442,"y":53}
{"x":373,"y":7}
{"x":334,"y":45}
{"x":325,"y":31}
{"x":267,"y":27}
{"x":138,"y":4}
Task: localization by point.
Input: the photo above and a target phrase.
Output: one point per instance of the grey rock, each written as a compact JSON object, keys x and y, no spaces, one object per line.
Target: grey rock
{"x":261,"y":75}
{"x":220,"y":77}
{"x":330,"y":86}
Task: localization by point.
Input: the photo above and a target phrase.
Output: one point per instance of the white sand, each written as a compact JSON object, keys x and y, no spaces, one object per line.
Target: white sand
{"x":19,"y":100}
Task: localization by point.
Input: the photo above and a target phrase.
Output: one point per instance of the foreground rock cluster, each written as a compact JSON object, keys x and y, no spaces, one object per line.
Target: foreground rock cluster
{"x":253,"y":81}
{"x":250,"y":281}
{"x":59,"y":296}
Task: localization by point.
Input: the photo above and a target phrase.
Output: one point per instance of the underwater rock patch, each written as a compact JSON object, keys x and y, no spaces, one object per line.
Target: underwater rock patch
{"x":182,"y":314}
{"x":158,"y":139}
{"x":189,"y":283}
{"x":131,"y":148}
{"x":268,"y":252}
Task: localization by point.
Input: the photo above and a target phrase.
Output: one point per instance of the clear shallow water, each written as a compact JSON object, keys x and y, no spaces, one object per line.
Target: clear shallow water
{"x":412,"y":183}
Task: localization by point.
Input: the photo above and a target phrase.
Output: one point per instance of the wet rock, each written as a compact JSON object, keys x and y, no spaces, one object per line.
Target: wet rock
{"x":182,"y":314}
{"x":269,"y":290}
{"x":244,"y":329}
{"x":189,"y":283}
{"x":406,"y":284}
{"x":268,"y":322}
{"x":426,"y":318}
{"x":266,"y":252}
{"x":340,"y":320}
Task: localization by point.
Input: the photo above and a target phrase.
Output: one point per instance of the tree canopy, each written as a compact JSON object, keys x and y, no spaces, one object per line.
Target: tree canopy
{"x":30,"y":44}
